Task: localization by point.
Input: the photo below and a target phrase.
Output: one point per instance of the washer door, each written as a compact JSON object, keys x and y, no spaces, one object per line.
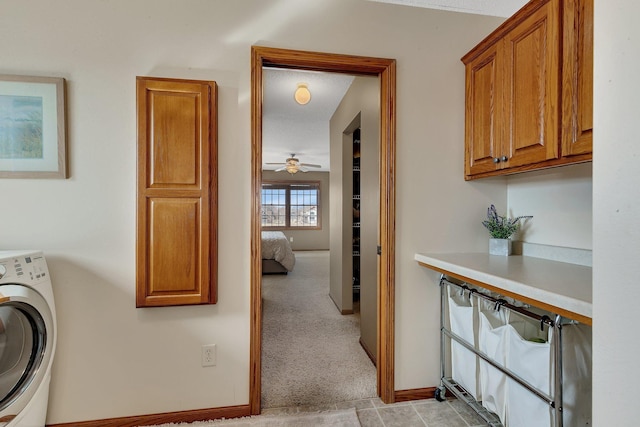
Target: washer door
{"x":26,"y":337}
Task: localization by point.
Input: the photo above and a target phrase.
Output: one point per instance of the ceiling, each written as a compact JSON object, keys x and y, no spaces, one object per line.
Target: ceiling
{"x":289,"y":128}
{"x":504,"y":8}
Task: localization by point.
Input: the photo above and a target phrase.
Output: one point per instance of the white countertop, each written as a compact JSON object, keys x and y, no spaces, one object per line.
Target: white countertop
{"x":558,"y":286}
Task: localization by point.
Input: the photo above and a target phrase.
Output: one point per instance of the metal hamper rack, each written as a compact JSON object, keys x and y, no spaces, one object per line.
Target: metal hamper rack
{"x":448,"y":383}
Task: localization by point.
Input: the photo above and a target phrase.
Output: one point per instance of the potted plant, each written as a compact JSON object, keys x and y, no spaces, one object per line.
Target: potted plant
{"x":501,"y":228}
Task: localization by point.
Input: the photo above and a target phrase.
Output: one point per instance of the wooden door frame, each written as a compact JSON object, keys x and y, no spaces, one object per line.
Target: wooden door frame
{"x":385,"y":70}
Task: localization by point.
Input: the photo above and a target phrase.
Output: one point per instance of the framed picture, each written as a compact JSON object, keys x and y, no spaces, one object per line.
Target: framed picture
{"x":32,"y":127}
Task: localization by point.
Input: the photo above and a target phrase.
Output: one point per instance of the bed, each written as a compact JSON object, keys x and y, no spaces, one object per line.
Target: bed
{"x":277,"y":256}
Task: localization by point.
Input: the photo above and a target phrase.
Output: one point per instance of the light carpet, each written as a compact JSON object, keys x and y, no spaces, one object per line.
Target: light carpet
{"x":311,"y":354}
{"x":342,"y":418}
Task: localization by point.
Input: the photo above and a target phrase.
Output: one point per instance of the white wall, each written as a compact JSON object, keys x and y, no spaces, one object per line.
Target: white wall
{"x":145,"y":361}
{"x":616,"y":210}
{"x":560,"y":201}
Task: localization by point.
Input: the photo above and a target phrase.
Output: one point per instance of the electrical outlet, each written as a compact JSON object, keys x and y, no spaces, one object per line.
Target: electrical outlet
{"x":291,"y":239}
{"x":209,"y":355}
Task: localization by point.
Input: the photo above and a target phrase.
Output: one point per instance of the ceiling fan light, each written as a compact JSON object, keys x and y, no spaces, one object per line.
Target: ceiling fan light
{"x":302,"y":94}
{"x":292,"y":168}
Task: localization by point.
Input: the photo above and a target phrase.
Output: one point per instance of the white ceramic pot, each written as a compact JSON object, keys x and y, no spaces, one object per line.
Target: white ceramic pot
{"x":500,"y":247}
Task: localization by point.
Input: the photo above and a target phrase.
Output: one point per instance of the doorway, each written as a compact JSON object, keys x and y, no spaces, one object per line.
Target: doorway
{"x":384,"y":69}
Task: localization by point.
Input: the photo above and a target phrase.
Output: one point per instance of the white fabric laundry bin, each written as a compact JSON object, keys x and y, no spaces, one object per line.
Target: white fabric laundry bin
{"x":576,"y":374}
{"x":462,"y":319}
{"x":508,"y":334}
{"x":492,"y":340}
{"x":531,"y":361}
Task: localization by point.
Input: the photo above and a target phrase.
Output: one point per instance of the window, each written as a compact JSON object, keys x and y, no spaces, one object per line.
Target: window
{"x":293,"y":205}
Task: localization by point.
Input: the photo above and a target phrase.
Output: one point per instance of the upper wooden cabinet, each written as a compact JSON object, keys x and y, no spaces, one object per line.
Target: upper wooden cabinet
{"x":577,"y":78}
{"x":177,"y":185}
{"x":519,"y":116}
{"x":483,"y":112}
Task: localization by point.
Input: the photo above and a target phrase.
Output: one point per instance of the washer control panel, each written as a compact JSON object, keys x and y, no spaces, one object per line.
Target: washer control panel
{"x":28,"y":268}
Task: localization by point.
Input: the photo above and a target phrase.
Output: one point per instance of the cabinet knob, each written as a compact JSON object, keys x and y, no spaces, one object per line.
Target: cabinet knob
{"x":496,"y":160}
{"x":504,"y":158}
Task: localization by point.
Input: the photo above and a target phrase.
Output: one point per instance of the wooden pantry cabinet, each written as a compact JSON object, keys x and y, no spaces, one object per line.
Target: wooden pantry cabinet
{"x":528,"y":91}
{"x":176,"y":242}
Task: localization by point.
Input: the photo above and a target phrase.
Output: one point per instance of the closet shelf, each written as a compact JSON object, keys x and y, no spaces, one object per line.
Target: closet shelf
{"x":355,"y":230}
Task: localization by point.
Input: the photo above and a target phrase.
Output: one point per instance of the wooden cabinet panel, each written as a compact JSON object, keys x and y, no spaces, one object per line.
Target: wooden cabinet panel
{"x":174,"y":228}
{"x":531,"y":60}
{"x":481,"y":117}
{"x":577,"y":78}
{"x":177,"y":188}
{"x":174,"y":163}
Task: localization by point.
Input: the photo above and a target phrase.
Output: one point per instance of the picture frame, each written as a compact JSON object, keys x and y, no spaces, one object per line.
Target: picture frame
{"x":32,"y":127}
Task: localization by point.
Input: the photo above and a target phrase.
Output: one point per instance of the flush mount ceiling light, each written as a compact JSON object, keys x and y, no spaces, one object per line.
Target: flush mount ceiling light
{"x":302,"y":94}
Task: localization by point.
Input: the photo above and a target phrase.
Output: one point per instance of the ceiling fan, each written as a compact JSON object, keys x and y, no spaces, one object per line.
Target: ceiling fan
{"x":293,"y":165}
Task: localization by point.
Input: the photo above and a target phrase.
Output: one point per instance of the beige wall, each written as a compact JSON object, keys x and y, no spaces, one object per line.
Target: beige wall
{"x":359,"y":108}
{"x":368,"y":92}
{"x":307,"y":240}
{"x":145,"y":361}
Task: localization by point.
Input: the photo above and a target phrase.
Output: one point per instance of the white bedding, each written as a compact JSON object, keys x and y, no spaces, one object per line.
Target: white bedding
{"x":276,"y":246}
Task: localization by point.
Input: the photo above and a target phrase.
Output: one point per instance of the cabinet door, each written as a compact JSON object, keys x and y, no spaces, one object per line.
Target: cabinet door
{"x":482,"y":116}
{"x":577,"y":78}
{"x":176,"y":214}
{"x":531,"y":54}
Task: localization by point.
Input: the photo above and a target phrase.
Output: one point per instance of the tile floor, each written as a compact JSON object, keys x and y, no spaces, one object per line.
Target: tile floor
{"x":418,"y":413}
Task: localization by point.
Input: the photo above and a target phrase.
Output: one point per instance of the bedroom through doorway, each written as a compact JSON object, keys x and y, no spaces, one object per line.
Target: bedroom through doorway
{"x":325,"y":306}
{"x":287,"y":297}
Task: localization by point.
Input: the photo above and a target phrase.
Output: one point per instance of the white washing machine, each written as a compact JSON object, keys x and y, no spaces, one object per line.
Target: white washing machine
{"x":27,"y":338}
